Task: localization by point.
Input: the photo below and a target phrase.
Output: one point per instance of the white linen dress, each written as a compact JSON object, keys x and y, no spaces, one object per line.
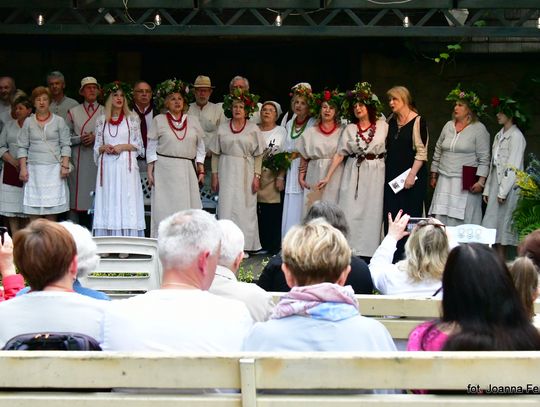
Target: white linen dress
{"x":119,"y":205}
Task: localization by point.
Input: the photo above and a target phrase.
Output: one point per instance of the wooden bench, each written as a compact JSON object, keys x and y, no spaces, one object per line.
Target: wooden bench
{"x":77,"y":379}
{"x":398,"y":314}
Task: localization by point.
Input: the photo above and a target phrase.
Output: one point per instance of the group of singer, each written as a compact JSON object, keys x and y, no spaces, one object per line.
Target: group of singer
{"x":63,"y":156}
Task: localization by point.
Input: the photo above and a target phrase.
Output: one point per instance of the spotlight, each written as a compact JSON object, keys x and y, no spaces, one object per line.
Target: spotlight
{"x":157,"y":19}
{"x":40,"y":20}
{"x":406,"y":22}
{"x":278,"y":20}
{"x":108,"y":16}
{"x":538,"y":23}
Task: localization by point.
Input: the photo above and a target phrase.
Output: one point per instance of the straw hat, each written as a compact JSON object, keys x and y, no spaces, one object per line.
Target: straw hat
{"x":203,"y":82}
{"x":89,"y":80}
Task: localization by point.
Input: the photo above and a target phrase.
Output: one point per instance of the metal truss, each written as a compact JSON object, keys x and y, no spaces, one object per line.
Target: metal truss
{"x":276,"y":18}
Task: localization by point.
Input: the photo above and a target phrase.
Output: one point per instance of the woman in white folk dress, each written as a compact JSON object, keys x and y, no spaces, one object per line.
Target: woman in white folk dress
{"x":363,"y":145}
{"x":237,"y":152}
{"x":44,"y":152}
{"x":500,"y":193}
{"x":118,"y":206}
{"x":293,"y":202}
{"x":175,"y":143}
{"x":317,"y":148}
{"x":11,"y":187}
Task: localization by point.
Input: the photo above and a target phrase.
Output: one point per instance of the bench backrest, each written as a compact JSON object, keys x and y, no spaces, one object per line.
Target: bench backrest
{"x":25,"y":373}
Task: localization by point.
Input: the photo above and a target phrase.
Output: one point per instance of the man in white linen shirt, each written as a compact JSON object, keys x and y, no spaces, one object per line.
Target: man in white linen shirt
{"x":60,"y":103}
{"x":240,"y":82}
{"x":182,"y":315}
{"x":210,"y":114}
{"x":7,"y":91}
{"x":225,"y":284}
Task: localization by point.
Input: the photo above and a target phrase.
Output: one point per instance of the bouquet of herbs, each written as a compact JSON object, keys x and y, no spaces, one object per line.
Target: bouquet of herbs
{"x":526,"y":216}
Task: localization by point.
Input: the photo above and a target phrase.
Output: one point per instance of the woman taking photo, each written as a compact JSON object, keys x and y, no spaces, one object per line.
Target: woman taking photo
{"x":406,"y":148}
{"x":460,"y":163}
{"x":118,"y":206}
{"x":317,"y":149}
{"x":500,"y":193}
{"x":44,"y":152}
{"x":236,"y":165}
{"x":293,"y":203}
{"x":362,"y":184}
{"x":269,"y":205}
{"x":11,"y":187}
{"x":178,"y":141}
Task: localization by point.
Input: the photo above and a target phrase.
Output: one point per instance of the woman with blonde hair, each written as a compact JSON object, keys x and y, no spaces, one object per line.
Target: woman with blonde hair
{"x":525,"y":276}
{"x":319,"y":313}
{"x":426,"y":251}
{"x":118,"y":205}
{"x":406,"y":149}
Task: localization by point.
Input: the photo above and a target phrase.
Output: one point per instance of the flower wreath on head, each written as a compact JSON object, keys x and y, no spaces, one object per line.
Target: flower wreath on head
{"x":511,"y":108}
{"x":115,"y":87}
{"x":361,"y":93}
{"x":471,"y":98}
{"x":248,"y":99}
{"x":169,"y":87}
{"x":301,"y":90}
{"x":332,"y":97}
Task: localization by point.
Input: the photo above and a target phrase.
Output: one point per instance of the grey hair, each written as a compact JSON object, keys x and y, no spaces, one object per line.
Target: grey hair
{"x":332,"y":213}
{"x":238,"y":78}
{"x":56,"y":74}
{"x":183,"y":236}
{"x":232,"y":243}
{"x":87,"y":257}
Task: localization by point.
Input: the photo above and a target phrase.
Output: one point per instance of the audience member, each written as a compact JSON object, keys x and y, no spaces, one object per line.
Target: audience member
{"x":182,"y":315}
{"x":530,"y":247}
{"x":273,"y":279}
{"x":87,"y":260}
{"x":11,"y":281}
{"x":46,"y":256}
{"x":60,"y":103}
{"x":82,"y":180}
{"x":481,"y":309}
{"x":525,"y":276}
{"x":225,"y":284}
{"x":426,"y":251}
{"x":319,"y":314}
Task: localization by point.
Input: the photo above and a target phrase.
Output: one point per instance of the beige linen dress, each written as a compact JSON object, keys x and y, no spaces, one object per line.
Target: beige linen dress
{"x":176,"y":186}
{"x":362,"y":188}
{"x":319,"y":149}
{"x":236,"y":171}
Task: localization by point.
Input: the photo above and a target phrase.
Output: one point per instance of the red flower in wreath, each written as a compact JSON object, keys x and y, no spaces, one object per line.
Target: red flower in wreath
{"x":327,"y":95}
{"x":495,"y":101}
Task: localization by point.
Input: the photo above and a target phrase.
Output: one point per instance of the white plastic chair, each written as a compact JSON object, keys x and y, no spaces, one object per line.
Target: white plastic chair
{"x":128,"y":266}
{"x":471,"y":233}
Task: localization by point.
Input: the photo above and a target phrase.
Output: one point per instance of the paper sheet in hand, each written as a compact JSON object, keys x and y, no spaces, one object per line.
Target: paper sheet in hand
{"x":397,"y":183}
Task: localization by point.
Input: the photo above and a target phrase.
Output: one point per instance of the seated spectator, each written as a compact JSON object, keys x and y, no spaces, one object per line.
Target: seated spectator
{"x":46,"y":256}
{"x":426,"y":251}
{"x":525,"y":276}
{"x":87,"y":260}
{"x":225,"y":284}
{"x":319,"y":313}
{"x":272,"y":278}
{"x":530,"y":247}
{"x":182,"y":315}
{"x":481,"y":309}
{"x":11,"y":281}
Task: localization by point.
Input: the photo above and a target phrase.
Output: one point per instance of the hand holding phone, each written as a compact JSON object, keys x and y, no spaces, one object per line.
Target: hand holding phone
{"x":413,"y":222}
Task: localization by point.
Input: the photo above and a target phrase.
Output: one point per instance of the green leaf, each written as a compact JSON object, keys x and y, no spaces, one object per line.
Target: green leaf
{"x":444,"y":55}
{"x":454,"y":47}
{"x":480,"y":23}
{"x":437,"y":60}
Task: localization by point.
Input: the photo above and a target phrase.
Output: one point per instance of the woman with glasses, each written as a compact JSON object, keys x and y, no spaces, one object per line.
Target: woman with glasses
{"x":426,"y":251}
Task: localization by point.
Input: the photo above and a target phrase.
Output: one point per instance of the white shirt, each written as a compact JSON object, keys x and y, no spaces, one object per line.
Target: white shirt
{"x":52,"y":311}
{"x":258,"y":301}
{"x":390,"y":278}
{"x":176,"y":320}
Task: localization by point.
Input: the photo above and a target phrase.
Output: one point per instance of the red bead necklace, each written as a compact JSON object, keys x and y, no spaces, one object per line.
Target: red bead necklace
{"x":117,"y":121}
{"x":371,"y":133}
{"x":237,"y":131}
{"x":327,"y":133}
{"x":45,"y":119}
{"x":182,"y":125}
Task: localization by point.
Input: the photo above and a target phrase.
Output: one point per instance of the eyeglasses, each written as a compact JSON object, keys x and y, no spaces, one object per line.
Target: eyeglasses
{"x":142,"y":91}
